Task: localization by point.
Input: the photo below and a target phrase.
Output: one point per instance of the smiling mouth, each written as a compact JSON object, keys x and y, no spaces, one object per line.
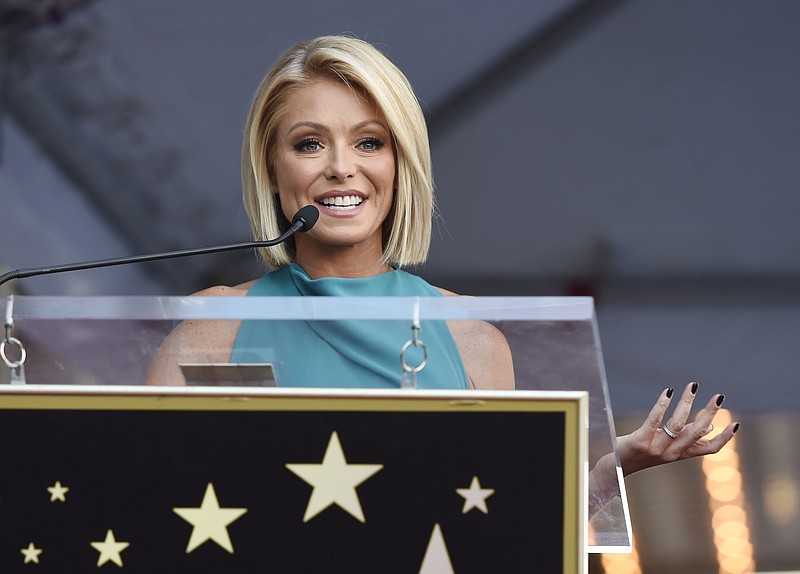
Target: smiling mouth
{"x":341,"y":203}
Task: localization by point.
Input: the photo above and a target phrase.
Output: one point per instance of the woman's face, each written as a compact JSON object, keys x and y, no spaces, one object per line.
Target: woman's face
{"x":334,"y":150}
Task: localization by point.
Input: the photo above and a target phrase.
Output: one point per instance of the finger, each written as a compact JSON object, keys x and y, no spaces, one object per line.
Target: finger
{"x":705,"y":417}
{"x":698,"y":430}
{"x":692,"y":433}
{"x":680,"y":415}
{"x":654,"y":419}
{"x":714,"y":445}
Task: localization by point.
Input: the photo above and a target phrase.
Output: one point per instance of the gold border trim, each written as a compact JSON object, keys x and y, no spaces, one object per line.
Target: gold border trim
{"x":574,"y":405}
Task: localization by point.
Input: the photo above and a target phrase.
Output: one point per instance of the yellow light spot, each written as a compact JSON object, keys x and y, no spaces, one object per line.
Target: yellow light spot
{"x":730,"y":530}
{"x":780,"y":499}
{"x":726,"y":501}
{"x":727,"y":513}
{"x":736,"y":564}
{"x":735,"y":547}
{"x":728,"y":492}
{"x":724,"y":474}
{"x":621,"y":563}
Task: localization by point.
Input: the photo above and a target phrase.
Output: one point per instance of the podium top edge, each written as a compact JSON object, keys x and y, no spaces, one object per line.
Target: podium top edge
{"x":302,"y":308}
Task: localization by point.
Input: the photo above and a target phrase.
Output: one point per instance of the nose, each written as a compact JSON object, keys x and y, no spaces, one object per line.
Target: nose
{"x":340,"y":165}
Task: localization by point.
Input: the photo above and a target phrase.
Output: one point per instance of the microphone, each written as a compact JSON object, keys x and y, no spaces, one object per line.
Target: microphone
{"x":302,"y":221}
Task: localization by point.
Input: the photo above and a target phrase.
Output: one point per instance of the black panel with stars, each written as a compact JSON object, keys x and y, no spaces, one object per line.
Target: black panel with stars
{"x":281,"y":491}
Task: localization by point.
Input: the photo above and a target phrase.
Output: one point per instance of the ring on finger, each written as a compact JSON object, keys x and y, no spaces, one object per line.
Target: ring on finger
{"x":669,"y":431}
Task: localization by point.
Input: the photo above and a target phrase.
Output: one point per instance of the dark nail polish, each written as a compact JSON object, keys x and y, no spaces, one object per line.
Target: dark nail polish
{"x":694,"y":388}
{"x":720,"y":400}
{"x":669,"y":392}
{"x":735,"y":428}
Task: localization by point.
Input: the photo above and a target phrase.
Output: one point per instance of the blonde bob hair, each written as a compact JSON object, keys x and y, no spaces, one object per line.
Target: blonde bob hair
{"x":407,"y":229}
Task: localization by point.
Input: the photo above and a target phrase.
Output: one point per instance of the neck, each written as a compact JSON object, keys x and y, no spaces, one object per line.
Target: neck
{"x":352,"y":261}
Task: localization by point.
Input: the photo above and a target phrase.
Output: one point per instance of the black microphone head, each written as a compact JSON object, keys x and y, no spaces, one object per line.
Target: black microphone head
{"x":308,"y":216}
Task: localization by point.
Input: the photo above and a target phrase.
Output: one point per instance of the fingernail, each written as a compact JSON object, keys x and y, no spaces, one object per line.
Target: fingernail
{"x":669,"y":392}
{"x":720,"y":400}
{"x":694,"y":388}
{"x":735,"y":428}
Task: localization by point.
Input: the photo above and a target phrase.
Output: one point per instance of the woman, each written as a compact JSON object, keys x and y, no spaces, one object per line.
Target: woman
{"x":336,"y":125}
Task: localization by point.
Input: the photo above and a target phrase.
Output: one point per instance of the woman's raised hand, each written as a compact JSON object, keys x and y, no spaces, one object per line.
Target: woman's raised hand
{"x":661,"y":440}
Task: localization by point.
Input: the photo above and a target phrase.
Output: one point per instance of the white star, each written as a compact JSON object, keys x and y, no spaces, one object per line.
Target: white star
{"x":210,"y":521}
{"x":57,"y":492}
{"x":475,"y":496}
{"x":334,"y":481}
{"x":109,"y":549}
{"x":31,"y":553}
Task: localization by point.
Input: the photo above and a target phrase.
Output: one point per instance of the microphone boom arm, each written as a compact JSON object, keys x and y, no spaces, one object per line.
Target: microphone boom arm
{"x":303,"y":220}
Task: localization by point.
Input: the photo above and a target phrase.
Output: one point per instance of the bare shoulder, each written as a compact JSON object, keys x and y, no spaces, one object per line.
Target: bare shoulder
{"x":225,"y":291}
{"x":484,"y":352}
{"x":196,"y":341}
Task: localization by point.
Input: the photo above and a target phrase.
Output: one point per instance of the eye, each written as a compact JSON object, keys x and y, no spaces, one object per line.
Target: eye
{"x":308,"y":145}
{"x":371,"y":144}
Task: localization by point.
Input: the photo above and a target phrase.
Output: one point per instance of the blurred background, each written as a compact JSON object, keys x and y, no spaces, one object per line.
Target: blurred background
{"x":643,"y":152}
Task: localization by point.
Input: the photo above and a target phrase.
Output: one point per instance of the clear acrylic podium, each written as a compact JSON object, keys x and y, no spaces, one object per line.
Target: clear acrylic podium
{"x":108,"y":343}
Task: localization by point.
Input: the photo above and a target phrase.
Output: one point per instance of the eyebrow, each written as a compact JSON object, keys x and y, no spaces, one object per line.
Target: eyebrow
{"x":322,"y":127}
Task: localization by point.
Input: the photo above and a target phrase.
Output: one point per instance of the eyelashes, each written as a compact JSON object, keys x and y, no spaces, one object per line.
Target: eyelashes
{"x":308,"y":144}
{"x":371,"y":144}
{"x":311,"y":144}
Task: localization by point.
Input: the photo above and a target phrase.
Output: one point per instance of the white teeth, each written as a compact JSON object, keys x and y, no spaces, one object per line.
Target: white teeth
{"x":342,"y":202}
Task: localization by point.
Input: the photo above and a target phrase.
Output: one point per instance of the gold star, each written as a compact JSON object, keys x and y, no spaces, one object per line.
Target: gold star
{"x":334,"y":481}
{"x":436,"y":559}
{"x":210,"y":521}
{"x":109,"y":549}
{"x":31,"y":553}
{"x":475,"y":496}
{"x":57,"y":492}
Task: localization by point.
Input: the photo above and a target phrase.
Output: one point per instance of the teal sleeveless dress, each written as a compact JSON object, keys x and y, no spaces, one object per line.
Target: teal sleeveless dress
{"x":347,"y":354}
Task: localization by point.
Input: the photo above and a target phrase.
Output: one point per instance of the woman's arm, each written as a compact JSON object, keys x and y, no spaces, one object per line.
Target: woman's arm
{"x":485,"y":354}
{"x":650,"y":445}
{"x":191,"y":342}
{"x":195,"y":342}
